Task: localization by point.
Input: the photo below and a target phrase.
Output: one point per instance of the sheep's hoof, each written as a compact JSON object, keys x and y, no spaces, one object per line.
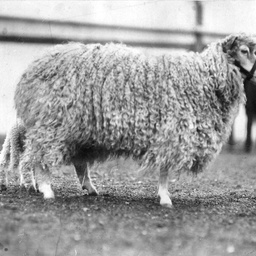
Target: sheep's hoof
{"x":167,"y":205}
{"x":91,"y":192}
{"x":32,"y":189}
{"x":47,"y":191}
{"x":37,"y":188}
{"x":165,"y":201}
{"x":49,"y":197}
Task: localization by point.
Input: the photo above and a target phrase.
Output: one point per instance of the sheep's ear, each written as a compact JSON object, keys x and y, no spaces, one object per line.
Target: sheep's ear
{"x":229,"y":43}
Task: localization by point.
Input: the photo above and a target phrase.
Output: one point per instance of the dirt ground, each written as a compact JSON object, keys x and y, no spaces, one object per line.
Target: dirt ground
{"x":214,"y":213}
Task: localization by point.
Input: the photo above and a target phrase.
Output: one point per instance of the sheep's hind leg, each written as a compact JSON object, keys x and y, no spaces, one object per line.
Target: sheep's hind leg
{"x":163,"y":192}
{"x":26,"y":171}
{"x":83,"y":174}
{"x":44,"y":181}
{"x":27,"y":167}
{"x":3,"y":178}
{"x":4,"y":162}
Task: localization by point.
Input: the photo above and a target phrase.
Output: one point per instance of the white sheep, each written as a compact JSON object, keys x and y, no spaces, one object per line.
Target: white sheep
{"x":172,"y":113}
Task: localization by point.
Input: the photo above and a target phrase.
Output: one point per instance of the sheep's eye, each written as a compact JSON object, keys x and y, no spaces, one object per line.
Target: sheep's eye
{"x":244,"y":51}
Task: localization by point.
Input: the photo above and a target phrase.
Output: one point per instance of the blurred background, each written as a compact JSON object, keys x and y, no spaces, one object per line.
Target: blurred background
{"x":27,"y":28}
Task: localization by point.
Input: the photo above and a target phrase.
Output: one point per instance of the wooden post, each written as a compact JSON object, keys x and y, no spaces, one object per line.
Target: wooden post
{"x":199,"y":22}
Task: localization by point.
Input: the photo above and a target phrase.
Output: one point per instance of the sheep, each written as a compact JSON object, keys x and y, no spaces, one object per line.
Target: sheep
{"x":169,"y":112}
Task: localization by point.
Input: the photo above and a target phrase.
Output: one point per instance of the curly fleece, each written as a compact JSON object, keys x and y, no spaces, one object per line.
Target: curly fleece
{"x":169,"y":111}
{"x":12,"y":150}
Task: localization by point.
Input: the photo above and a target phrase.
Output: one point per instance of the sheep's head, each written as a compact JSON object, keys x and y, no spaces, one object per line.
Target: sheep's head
{"x":241,"y":51}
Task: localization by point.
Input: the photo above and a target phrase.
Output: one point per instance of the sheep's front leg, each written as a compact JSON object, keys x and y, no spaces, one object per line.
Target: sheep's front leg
{"x":163,"y":192}
{"x":83,"y":174}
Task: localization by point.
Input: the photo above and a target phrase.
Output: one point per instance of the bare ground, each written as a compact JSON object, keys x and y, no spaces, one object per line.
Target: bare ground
{"x":214,"y":213}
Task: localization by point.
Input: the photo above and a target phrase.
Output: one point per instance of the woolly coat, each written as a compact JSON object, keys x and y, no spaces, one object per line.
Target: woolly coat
{"x":12,"y":150}
{"x":168,"y":111}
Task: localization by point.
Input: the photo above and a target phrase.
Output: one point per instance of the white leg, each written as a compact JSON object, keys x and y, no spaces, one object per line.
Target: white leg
{"x":163,"y":192}
{"x":44,"y":181}
{"x":46,"y":189}
{"x":4,"y":162}
{"x":21,"y":177}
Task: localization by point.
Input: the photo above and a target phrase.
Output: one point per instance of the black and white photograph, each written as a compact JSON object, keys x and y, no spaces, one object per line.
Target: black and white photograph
{"x":127,"y":128}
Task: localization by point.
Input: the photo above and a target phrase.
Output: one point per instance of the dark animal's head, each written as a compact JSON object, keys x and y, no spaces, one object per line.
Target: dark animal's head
{"x":241,"y":51}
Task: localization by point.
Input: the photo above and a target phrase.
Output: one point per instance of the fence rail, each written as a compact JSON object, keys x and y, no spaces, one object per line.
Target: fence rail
{"x":29,"y":30}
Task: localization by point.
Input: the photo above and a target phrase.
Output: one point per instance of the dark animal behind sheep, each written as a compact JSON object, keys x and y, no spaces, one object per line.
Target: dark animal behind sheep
{"x":250,"y":107}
